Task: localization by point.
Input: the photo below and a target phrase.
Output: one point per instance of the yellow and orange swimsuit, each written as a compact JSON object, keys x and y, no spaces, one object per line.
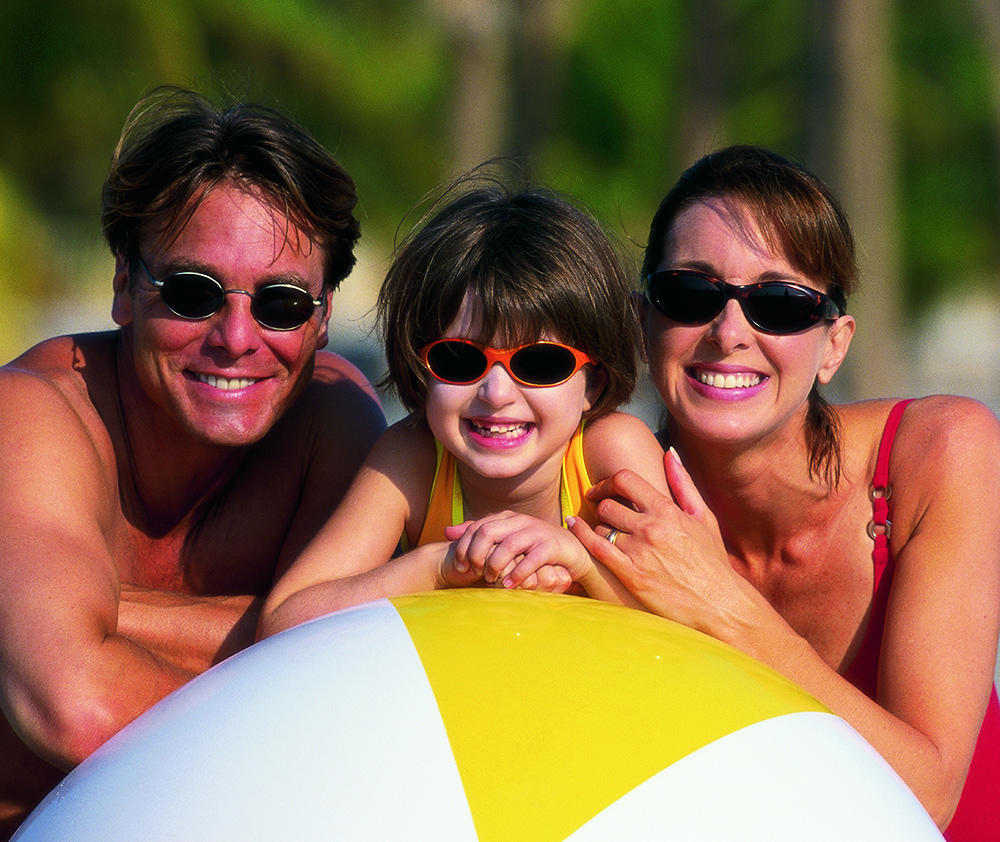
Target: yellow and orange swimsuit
{"x":446,"y":508}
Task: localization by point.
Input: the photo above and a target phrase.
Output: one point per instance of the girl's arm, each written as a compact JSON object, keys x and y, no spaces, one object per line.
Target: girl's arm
{"x":939,"y":645}
{"x":350,"y":560}
{"x":620,"y":441}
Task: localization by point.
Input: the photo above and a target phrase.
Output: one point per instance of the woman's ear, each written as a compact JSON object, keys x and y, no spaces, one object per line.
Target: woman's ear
{"x":838,"y":341}
{"x":121,"y":304}
{"x":641,"y":305}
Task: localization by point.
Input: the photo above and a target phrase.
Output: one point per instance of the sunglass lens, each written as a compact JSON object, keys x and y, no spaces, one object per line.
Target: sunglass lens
{"x":282,"y":307}
{"x":456,"y":362}
{"x":191,"y":295}
{"x":780,"y":309}
{"x":542,"y":364}
{"x":687,"y":298}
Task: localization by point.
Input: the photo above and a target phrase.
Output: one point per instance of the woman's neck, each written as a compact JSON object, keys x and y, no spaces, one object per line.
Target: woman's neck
{"x":760,"y":492}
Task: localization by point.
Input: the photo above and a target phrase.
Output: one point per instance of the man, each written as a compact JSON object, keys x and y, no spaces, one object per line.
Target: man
{"x":156,"y":479}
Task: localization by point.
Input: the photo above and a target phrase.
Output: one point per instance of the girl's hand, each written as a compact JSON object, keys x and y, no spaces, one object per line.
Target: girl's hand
{"x":452,"y":574}
{"x":519,"y":551}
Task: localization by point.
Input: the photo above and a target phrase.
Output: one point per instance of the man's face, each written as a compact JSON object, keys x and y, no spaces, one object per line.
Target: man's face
{"x":226,"y":379}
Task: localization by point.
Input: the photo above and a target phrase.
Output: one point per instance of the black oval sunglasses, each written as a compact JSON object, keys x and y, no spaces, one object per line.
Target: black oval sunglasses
{"x":195,"y":296}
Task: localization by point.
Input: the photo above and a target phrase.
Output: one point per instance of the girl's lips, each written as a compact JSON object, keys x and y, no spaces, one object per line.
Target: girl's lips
{"x":498,"y":434}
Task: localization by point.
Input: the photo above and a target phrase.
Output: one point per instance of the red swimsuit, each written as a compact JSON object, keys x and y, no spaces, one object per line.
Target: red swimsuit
{"x":978,"y":816}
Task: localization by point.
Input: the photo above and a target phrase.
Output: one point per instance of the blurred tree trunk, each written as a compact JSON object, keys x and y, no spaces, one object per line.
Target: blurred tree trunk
{"x":481,"y":106}
{"x":538,"y":72}
{"x":705,"y":81}
{"x":987,"y":18}
{"x":867,"y":179}
{"x":822,"y":101}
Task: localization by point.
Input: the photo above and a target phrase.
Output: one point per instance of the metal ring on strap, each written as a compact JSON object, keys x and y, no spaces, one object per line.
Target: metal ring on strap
{"x":879,"y":493}
{"x":872,"y":526}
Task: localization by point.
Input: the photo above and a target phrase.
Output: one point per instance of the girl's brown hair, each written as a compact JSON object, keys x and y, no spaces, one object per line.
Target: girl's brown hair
{"x":534,"y":263}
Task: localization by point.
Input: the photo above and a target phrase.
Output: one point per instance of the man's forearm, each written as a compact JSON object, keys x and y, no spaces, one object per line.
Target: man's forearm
{"x":190,"y":632}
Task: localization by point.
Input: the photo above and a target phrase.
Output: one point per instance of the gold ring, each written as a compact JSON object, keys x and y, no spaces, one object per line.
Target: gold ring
{"x":612,"y":536}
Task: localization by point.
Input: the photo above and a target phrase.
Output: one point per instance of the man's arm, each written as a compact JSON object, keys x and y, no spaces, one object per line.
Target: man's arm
{"x":68,"y":678}
{"x":344,"y":420}
{"x":191,"y":632}
{"x":322,"y":443}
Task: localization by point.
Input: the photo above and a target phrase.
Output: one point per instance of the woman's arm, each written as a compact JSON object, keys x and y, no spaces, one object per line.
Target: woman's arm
{"x":939,"y":644}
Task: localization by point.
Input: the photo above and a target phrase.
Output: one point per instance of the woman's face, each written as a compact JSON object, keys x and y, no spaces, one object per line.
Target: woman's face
{"x":725,"y":381}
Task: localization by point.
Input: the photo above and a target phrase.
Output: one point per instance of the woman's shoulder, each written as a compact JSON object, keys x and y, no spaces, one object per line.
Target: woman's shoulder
{"x":932,"y":415}
{"x":949,"y":427}
{"x":935,"y":433}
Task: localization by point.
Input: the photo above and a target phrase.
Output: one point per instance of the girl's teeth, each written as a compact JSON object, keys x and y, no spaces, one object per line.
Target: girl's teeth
{"x":728,"y":381}
{"x":500,"y":429}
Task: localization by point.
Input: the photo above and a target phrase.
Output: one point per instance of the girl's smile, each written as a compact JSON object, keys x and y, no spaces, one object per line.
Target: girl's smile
{"x":498,"y":434}
{"x":499,"y":428}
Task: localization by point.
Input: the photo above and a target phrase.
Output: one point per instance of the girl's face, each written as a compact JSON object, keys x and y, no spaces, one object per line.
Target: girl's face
{"x":498,"y":427}
{"x":726,"y":381}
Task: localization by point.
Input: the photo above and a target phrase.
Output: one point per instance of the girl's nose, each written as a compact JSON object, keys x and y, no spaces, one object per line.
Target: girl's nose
{"x":497,"y":388}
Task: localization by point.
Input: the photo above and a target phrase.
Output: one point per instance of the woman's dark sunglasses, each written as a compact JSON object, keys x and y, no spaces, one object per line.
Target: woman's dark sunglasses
{"x":192,"y":295}
{"x":778,"y":307}
{"x":461,"y":362}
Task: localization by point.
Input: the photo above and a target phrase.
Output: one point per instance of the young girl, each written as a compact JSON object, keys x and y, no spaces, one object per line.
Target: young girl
{"x":511,"y":336}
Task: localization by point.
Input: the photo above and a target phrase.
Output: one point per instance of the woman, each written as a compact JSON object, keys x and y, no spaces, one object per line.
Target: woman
{"x":871,"y":581}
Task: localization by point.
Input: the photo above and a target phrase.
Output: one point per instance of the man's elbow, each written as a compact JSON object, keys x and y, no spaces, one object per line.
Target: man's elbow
{"x":67,"y":731}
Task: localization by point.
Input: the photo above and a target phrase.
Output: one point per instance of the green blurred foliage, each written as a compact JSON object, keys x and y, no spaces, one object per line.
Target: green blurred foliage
{"x":608,"y":118}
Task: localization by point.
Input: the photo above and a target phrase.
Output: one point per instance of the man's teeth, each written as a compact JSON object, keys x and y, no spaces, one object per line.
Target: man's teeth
{"x":728,"y":381}
{"x":225,"y":383}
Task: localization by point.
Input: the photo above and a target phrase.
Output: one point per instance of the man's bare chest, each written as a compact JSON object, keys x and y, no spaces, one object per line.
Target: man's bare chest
{"x":228,"y":549}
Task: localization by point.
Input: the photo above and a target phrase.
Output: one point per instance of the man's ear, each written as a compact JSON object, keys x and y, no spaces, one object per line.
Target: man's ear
{"x":121,"y":304}
{"x":323,"y":336}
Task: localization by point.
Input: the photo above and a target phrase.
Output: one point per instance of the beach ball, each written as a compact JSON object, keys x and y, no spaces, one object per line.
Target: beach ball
{"x":484,"y":715}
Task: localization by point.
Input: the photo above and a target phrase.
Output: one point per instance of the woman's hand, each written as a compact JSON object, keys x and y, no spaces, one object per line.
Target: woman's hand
{"x":668,"y":552}
{"x":519,"y":551}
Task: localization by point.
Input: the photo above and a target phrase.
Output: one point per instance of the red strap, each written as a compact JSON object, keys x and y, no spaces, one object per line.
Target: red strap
{"x":880,"y":490}
{"x":881,"y":480}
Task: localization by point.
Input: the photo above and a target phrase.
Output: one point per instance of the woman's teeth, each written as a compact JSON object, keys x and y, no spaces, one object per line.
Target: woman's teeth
{"x":728,"y":381}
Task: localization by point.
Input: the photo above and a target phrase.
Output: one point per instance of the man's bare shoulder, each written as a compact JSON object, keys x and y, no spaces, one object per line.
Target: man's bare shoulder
{"x":80,"y":367}
{"x":340,"y":399}
{"x":333,"y":368}
{"x":55,"y":398}
{"x":64,"y":376}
